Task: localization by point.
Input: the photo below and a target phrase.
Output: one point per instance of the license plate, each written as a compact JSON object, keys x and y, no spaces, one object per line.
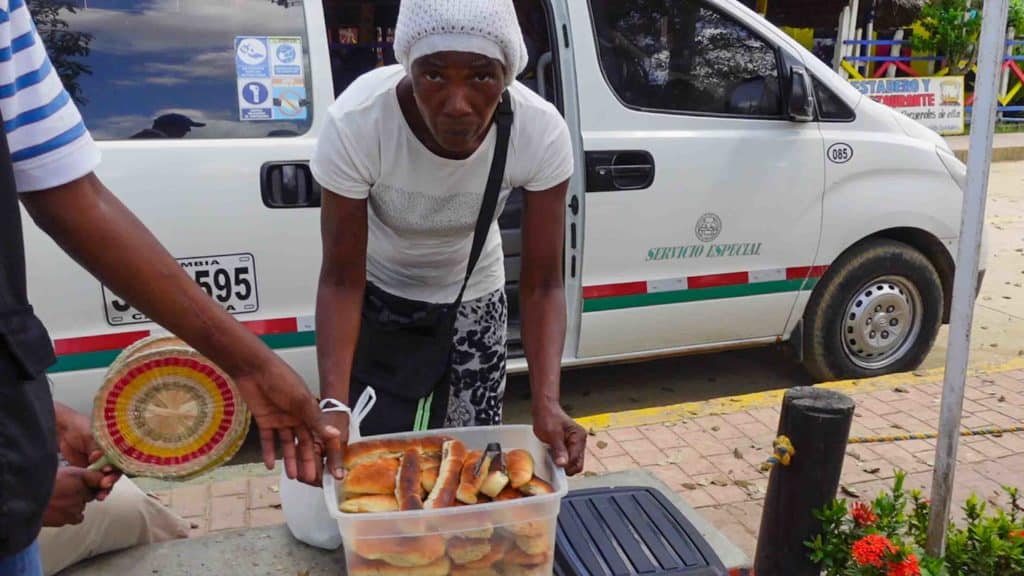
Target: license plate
{"x":230,"y":280}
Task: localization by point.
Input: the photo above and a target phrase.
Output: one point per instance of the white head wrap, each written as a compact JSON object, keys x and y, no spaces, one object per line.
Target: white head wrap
{"x":487,"y":27}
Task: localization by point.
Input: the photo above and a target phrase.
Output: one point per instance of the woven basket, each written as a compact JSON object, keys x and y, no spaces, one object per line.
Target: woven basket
{"x":168,"y":412}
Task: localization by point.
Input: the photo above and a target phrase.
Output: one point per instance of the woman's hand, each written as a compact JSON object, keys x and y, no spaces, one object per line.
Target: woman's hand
{"x":79,"y":447}
{"x":566,"y":438}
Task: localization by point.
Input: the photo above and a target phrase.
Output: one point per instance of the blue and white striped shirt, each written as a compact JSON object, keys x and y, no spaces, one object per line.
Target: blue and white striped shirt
{"x":49,"y":143}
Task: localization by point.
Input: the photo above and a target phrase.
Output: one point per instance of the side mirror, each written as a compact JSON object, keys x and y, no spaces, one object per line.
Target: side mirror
{"x":800,"y":105}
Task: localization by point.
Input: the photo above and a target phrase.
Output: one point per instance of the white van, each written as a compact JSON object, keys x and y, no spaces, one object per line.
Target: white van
{"x":730,"y":189}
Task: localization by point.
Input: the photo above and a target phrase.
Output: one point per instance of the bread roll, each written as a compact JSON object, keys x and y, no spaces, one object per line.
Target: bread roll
{"x":509,"y":493}
{"x":370,"y":450}
{"x":466,"y":550}
{"x":517,"y":557}
{"x":365,"y":504}
{"x":442,"y":495}
{"x":534,"y":544}
{"x":363,"y":567}
{"x":520,"y":467}
{"x":408,"y":483}
{"x":473,"y":476}
{"x":499,"y":545}
{"x":376,"y":477}
{"x":479,"y":534}
{"x":525,"y":570}
{"x":494,"y":483}
{"x":466,"y":571}
{"x":529,"y":528}
{"x":428,"y":478}
{"x":536,"y":487}
{"x":408,"y":551}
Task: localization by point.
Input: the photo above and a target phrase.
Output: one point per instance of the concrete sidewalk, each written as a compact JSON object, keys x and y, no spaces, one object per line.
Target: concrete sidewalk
{"x":712,"y":459}
{"x":1006,"y":147}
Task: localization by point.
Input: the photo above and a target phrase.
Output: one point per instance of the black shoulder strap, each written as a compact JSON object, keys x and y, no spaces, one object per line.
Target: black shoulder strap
{"x":503,"y":118}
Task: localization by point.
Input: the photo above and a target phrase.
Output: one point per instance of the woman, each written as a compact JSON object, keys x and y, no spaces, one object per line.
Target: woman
{"x":405,"y":160}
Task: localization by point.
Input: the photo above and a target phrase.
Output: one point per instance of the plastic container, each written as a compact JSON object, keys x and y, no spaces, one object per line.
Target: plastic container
{"x":464,"y":531}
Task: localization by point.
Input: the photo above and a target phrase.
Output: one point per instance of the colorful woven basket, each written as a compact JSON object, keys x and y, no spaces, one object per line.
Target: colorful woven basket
{"x":165,"y":411}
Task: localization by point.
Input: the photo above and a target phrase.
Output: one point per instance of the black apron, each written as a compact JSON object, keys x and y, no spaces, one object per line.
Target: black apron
{"x":28,"y":446}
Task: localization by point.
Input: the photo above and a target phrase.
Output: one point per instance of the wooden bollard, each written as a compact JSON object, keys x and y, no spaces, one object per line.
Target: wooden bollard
{"x":817,"y":423}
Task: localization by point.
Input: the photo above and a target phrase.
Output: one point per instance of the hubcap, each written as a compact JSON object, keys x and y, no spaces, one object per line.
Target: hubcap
{"x":882,"y":322}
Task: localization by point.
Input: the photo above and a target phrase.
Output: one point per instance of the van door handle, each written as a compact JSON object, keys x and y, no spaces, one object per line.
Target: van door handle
{"x":289,"y":185}
{"x":615,"y":170}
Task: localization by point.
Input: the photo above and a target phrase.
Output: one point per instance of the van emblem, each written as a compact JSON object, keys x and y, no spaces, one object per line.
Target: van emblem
{"x":709,"y":226}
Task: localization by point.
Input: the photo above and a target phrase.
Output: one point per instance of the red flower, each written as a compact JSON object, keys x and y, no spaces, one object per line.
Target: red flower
{"x":906,"y":567}
{"x":872,"y":549}
{"x":1017,"y":534}
{"x":862,"y":514}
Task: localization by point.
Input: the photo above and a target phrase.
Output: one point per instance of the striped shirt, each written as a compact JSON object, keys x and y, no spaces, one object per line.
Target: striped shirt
{"x":49,"y":143}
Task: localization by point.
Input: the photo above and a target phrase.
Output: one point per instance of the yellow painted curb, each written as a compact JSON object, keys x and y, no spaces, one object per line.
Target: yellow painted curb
{"x":769,"y":398}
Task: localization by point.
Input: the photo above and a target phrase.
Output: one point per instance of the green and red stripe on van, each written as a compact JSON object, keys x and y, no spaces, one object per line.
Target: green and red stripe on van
{"x":698,"y":288}
{"x":89,"y":352}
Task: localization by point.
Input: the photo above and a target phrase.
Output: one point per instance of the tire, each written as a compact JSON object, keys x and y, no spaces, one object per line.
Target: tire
{"x":876,"y":311}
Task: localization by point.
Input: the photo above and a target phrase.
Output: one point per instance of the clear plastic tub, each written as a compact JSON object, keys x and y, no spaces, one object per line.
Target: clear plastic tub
{"x":521,"y":532}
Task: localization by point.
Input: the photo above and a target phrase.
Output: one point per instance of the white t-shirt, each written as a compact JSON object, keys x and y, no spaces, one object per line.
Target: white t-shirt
{"x":423,"y":208}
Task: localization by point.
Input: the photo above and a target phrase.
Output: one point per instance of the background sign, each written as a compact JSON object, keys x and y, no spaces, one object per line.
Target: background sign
{"x":271,"y":78}
{"x":937,"y":101}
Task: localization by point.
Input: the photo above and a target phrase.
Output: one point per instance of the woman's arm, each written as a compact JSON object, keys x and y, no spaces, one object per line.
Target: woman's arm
{"x":339,"y":301}
{"x":542,"y":299}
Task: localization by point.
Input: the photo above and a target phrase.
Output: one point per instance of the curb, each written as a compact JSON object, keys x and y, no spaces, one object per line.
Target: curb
{"x":769,"y":398}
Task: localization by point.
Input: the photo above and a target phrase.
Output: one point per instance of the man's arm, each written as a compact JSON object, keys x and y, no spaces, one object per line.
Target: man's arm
{"x":100,"y":233}
{"x":339,"y":300}
{"x":542,"y":299}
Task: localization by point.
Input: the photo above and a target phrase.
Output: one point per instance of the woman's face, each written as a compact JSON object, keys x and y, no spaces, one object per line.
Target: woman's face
{"x":457,"y":93}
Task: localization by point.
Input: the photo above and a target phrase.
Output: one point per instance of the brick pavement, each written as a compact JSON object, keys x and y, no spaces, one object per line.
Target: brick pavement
{"x":713,"y":461}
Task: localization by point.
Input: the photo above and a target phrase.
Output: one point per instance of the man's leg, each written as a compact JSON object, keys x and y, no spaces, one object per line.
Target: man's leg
{"x":127,"y":518}
{"x":24,"y":563}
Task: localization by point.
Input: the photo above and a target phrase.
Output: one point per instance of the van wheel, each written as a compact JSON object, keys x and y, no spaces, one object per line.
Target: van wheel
{"x":876,"y":311}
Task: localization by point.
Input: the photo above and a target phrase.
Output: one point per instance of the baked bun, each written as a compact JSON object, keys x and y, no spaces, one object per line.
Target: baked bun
{"x":530,"y":528}
{"x":517,"y":557}
{"x":519,"y":464}
{"x":408,"y":482}
{"x":509,"y":493}
{"x":525,"y":570}
{"x":536,"y":487}
{"x":494,"y":483}
{"x":428,"y":478}
{"x":370,"y":450}
{"x":466,"y":550}
{"x":534,"y":544}
{"x":363,"y":567}
{"x":376,"y":477}
{"x":475,"y":468}
{"x":465,"y":571}
{"x":372,"y":503}
{"x":405,"y":551}
{"x":443,"y":493}
{"x":499,"y":545}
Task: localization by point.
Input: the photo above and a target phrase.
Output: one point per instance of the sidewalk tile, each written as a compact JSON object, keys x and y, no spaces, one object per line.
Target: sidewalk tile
{"x":231,"y":487}
{"x":265,"y":517}
{"x":697,"y":498}
{"x":619,"y":463}
{"x":592,"y":463}
{"x":662,"y":436}
{"x":735,"y":468}
{"x":991,"y":449}
{"x":707,"y":444}
{"x":191,"y":501}
{"x":672,"y":475}
{"x":1013,"y":441}
{"x":624,"y":434}
{"x":604,"y":445}
{"x":900,"y":458}
{"x":690,"y":461}
{"x":644,"y":452}
{"x":263,"y":492}
{"x":227,"y":512}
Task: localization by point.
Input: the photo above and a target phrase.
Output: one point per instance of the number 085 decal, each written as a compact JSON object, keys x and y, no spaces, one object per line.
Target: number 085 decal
{"x":839,"y":153}
{"x":229,"y":279}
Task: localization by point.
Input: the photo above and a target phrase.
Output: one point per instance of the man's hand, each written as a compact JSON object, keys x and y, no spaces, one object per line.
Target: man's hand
{"x":566,"y":438}
{"x":75,"y":487}
{"x":334,"y":448}
{"x":79,"y":447}
{"x":283,"y":407}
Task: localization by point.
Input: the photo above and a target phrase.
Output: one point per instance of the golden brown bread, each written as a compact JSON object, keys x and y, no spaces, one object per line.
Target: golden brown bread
{"x":370,"y":450}
{"x":473,"y":476}
{"x":515,"y":556}
{"x":466,"y":550}
{"x":542,"y":569}
{"x":536,"y":487}
{"x":372,"y":503}
{"x":428,"y":478}
{"x":534,"y":544}
{"x":466,"y":571}
{"x":494,"y":483}
{"x":529,"y":528}
{"x":479,"y":534}
{"x":509,"y":493}
{"x":377,"y":477}
{"x":499,"y":545}
{"x":442,"y":495}
{"x":411,"y":551}
{"x":519,"y":464}
{"x":363,"y":567}
{"x":408,"y":483}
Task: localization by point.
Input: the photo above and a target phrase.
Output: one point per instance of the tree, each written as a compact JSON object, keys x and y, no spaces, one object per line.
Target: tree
{"x":65,"y":46}
{"x":952,"y":28}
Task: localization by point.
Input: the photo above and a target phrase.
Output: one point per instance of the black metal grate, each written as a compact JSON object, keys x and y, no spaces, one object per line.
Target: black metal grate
{"x":626,"y":531}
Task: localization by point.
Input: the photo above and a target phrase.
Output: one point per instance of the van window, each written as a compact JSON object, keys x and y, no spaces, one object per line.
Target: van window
{"x":361,"y":33}
{"x":167,"y":68}
{"x":683,"y":56}
{"x":831,"y":107}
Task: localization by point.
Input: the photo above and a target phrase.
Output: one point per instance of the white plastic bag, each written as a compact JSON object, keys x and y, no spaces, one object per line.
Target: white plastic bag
{"x":304,"y":507}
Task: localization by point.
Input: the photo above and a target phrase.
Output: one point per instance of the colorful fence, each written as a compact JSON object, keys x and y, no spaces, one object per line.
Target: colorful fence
{"x":874,"y":65}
